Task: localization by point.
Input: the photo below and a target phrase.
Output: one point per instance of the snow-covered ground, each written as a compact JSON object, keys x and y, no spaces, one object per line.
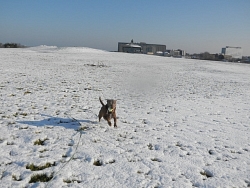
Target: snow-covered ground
{"x":181,"y":123}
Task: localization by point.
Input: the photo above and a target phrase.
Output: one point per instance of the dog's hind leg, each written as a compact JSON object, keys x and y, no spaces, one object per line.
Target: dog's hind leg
{"x":115,"y":125}
{"x":100,"y":117}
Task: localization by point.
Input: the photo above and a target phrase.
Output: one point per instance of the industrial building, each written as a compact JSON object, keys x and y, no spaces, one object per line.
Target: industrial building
{"x":142,"y":47}
{"x":175,"y":53}
{"x":234,"y":52}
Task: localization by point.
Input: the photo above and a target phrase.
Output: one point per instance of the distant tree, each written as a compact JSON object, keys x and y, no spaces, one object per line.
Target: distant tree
{"x":12,"y":45}
{"x":204,"y":55}
{"x":207,"y":56}
{"x":219,"y":57}
{"x":8,"y":45}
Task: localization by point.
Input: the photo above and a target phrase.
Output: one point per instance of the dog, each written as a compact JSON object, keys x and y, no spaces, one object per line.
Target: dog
{"x":108,"y":111}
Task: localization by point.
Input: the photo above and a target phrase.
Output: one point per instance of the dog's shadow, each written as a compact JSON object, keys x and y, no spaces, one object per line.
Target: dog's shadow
{"x":68,"y":123}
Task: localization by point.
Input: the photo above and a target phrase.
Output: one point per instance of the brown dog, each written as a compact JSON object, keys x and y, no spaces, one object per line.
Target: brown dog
{"x":108,"y":111}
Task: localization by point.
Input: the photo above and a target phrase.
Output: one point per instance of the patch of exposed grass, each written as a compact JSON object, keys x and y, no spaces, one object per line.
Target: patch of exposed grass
{"x":40,"y":178}
{"x":139,"y":172}
{"x":206,"y":173}
{"x":111,"y":161}
{"x":33,"y":167}
{"x":40,"y":142}
{"x":83,"y":128}
{"x":22,"y":114}
{"x":15,"y":114}
{"x":71,"y":181}
{"x":96,"y":140}
{"x":97,"y":162}
{"x":150,"y":146}
{"x":27,"y":92}
{"x":64,"y":155}
{"x":41,"y":151}
{"x":11,"y":123}
{"x":67,"y":181}
{"x":10,"y":143}
{"x":99,"y":65}
{"x":132,"y":160}
{"x":155,"y":159}
{"x":178,"y":144}
{"x":16,"y":178}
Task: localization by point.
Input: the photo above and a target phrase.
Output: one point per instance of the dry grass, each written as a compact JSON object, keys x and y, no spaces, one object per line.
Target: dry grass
{"x":97,"y":162}
{"x":33,"y":167}
{"x":40,"y":178}
{"x":40,"y":142}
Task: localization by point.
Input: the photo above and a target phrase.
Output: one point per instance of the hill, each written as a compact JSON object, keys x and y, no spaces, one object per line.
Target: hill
{"x":181,"y":123}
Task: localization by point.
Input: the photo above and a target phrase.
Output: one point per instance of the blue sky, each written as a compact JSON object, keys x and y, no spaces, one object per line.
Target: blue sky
{"x":191,"y":25}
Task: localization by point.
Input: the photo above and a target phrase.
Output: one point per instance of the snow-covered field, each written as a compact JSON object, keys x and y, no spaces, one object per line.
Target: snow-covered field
{"x":181,"y":123}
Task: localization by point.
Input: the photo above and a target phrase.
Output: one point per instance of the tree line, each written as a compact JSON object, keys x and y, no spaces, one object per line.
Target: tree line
{"x":11,"y":45}
{"x":208,"y":56}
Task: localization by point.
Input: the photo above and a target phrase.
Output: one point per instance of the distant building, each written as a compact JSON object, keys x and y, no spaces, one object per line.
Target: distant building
{"x":235,"y":52}
{"x":182,"y":52}
{"x":142,"y":47}
{"x":246,"y":59}
{"x":131,"y":48}
{"x":175,"y":53}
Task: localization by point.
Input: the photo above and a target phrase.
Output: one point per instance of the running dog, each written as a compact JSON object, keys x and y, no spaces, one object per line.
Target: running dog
{"x":108,"y":111}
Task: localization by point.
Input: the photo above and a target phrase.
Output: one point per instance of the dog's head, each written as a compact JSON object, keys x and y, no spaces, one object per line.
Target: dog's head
{"x":111,"y":105}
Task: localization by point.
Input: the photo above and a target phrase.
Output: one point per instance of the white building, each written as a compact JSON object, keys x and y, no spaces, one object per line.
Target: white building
{"x":235,"y":52}
{"x":175,"y":53}
{"x":141,"y":47}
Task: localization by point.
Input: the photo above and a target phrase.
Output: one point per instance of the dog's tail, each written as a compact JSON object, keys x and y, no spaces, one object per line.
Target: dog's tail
{"x":101,"y":101}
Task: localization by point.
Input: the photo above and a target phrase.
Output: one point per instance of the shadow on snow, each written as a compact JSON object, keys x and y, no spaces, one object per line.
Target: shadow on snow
{"x":68,"y":123}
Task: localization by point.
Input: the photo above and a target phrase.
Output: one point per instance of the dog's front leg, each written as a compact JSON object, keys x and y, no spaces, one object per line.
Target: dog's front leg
{"x":108,"y":118}
{"x":114,"y":116}
{"x":109,"y":122}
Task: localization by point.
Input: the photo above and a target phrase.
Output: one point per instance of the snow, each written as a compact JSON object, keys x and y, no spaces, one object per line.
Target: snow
{"x":181,"y":123}
{"x":133,"y":45}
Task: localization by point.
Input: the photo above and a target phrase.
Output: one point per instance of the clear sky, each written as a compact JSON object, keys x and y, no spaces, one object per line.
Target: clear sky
{"x":191,"y":25}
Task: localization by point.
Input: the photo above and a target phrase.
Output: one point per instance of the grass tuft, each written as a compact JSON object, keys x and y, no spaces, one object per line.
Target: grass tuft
{"x":155,"y":159}
{"x":83,"y":128}
{"x":97,"y":162}
{"x":40,"y":142}
{"x":67,"y":181}
{"x":27,"y":92}
{"x":33,"y":167}
{"x":71,"y":181}
{"x":150,"y":146}
{"x":16,"y":178}
{"x":206,"y":173}
{"x":44,"y":150}
{"x":40,"y":178}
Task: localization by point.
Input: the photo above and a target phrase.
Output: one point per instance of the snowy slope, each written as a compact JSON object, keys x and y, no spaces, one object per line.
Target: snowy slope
{"x":182,"y":123}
